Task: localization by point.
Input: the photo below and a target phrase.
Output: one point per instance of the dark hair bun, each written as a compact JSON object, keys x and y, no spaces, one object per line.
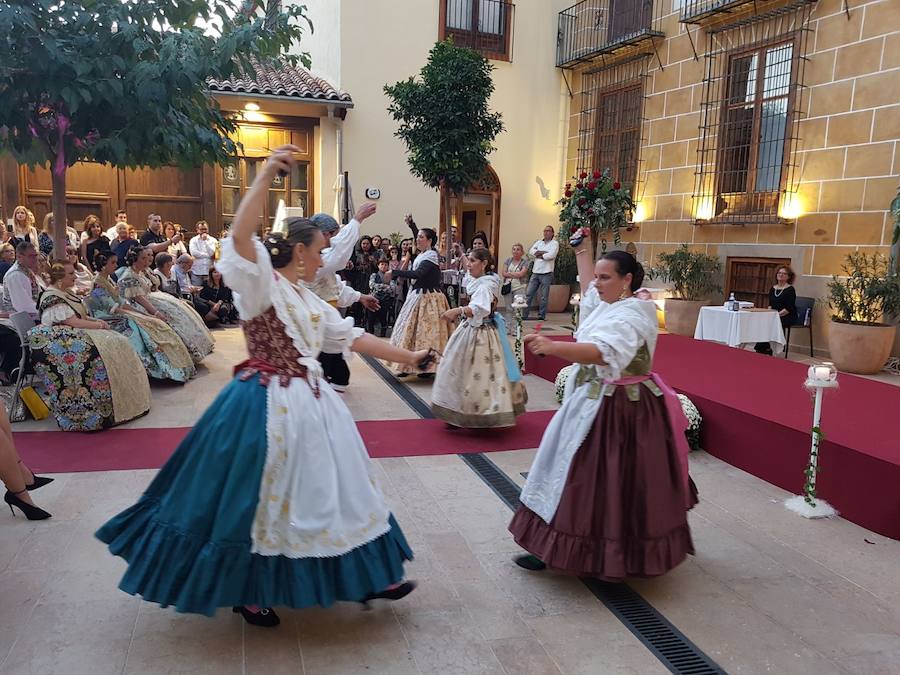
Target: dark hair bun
{"x":101,"y":257}
{"x":281,"y":252}
{"x":133,"y":254}
{"x":627,"y":264}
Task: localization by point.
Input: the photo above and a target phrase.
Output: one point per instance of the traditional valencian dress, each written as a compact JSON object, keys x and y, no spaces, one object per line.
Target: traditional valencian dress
{"x":92,"y":377}
{"x":608,"y":492}
{"x":419,"y":324}
{"x":270,"y":499}
{"x":160,"y":349}
{"x":182,"y":317}
{"x":478,"y":383}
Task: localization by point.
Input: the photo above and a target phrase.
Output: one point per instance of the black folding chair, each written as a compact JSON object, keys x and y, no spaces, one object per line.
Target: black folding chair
{"x":802,"y":319}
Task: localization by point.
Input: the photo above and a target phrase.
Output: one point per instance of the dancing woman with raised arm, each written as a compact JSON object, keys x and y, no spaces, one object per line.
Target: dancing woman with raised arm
{"x":271,"y":499}
{"x":608,"y":492}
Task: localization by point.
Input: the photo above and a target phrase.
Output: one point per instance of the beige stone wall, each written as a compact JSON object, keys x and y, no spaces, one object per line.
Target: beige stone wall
{"x":848,"y":153}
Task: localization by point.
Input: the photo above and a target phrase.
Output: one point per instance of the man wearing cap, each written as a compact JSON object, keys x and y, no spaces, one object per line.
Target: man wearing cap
{"x":340,"y":242}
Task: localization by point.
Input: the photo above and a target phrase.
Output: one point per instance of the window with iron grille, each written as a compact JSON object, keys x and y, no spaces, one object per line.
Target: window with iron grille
{"x":611,"y":121}
{"x":482,"y":25}
{"x":754,"y":127}
{"x":751,"y":112}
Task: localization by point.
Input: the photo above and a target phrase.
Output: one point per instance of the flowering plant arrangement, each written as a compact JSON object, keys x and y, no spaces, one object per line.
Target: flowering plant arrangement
{"x":694,"y":420}
{"x":561,"y":378}
{"x":595,"y":201}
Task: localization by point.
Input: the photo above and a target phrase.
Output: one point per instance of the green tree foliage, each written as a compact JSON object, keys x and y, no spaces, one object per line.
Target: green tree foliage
{"x":124,"y":82}
{"x":444,"y":119}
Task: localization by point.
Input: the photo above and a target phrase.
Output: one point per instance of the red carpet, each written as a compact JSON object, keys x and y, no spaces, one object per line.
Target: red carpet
{"x":122,"y":449}
{"x":758,"y":417}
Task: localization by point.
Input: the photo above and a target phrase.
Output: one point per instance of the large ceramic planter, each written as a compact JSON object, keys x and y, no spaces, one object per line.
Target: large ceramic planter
{"x":559,"y":297}
{"x":681,"y":315}
{"x":860,"y":349}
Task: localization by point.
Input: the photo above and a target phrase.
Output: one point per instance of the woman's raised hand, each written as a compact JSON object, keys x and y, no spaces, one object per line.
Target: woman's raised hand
{"x":280,"y":161}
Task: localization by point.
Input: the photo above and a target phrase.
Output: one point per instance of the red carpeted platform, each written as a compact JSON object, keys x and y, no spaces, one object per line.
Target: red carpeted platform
{"x":758,"y":417}
{"x":121,"y":449}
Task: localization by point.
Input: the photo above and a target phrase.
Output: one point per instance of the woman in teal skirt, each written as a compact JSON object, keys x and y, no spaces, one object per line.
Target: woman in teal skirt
{"x":270,"y":499}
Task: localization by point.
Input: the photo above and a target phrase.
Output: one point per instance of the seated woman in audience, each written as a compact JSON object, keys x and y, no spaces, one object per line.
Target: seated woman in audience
{"x":140,"y":289}
{"x":92,"y":376}
{"x":219,"y":296}
{"x":18,"y":478}
{"x":84,"y":278}
{"x":94,"y":241}
{"x":165,"y":278}
{"x":158,"y":346}
{"x":7,"y":258}
{"x":783,"y":299}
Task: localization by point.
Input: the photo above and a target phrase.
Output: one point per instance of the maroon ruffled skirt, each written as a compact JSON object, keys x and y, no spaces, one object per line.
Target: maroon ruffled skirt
{"x":622,"y":512}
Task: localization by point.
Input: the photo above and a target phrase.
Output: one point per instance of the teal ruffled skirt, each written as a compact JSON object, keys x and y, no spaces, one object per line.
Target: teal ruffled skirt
{"x":187,"y":540}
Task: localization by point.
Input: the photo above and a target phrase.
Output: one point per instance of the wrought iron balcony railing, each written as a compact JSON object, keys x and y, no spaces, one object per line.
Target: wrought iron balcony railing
{"x":697,"y":11}
{"x":594,"y":27}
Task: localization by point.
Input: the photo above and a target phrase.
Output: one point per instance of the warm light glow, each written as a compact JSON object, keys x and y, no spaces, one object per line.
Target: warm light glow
{"x":705,"y":207}
{"x":791,"y":206}
{"x":251,"y":105}
{"x":640,"y":213}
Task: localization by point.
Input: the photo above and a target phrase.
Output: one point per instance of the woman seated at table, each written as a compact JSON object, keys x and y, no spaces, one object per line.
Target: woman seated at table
{"x":92,"y":376}
{"x":158,"y":346}
{"x":783,"y":299}
{"x":141,"y":290}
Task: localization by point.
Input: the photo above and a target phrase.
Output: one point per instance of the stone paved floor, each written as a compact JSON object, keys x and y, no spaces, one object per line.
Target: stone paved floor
{"x":767,"y":592}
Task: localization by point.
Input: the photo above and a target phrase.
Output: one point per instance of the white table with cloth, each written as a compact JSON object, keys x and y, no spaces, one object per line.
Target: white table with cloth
{"x":740,"y":329}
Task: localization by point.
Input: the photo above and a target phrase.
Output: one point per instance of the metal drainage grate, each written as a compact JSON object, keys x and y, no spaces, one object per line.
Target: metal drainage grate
{"x":673,"y":649}
{"x":664,"y":640}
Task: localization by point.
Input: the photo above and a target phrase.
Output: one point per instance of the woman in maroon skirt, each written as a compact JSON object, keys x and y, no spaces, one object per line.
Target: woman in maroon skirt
{"x":608,"y":492}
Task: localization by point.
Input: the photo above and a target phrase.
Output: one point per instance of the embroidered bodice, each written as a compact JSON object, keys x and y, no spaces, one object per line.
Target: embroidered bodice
{"x":268,"y":341}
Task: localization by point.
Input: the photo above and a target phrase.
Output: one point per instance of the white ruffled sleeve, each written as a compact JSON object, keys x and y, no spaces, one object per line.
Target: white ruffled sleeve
{"x":340,"y":333}
{"x":480,"y":303}
{"x":590,"y":301}
{"x":251,"y":282}
{"x":617,"y":341}
{"x":56,"y":314}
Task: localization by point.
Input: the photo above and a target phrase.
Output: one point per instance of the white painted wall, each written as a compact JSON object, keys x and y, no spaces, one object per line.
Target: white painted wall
{"x":383,"y":41}
{"x":324,"y":42}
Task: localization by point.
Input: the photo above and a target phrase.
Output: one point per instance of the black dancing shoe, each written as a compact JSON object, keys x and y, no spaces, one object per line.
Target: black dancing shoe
{"x":31,"y":511}
{"x":39,"y":482}
{"x":529,"y":562}
{"x":265,"y":617}
{"x":396,"y":593}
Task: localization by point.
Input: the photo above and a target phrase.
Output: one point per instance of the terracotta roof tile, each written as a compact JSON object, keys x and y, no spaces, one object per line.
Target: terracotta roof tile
{"x":290,"y":82}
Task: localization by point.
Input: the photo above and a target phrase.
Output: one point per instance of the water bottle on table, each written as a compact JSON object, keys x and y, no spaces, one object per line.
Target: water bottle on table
{"x":733,"y":304}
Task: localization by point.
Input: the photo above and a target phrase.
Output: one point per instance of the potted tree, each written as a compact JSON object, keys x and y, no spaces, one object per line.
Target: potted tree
{"x":564,"y":273}
{"x":694,"y":277}
{"x":858,"y":338}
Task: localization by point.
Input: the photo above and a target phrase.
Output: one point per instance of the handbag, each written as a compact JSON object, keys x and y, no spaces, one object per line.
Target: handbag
{"x":506,"y":288}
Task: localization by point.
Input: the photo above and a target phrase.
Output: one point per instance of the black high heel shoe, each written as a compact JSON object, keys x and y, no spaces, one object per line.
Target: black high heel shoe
{"x":396,"y":593}
{"x":30,"y":510}
{"x":265,"y":617}
{"x":530,"y":563}
{"x":39,"y":482}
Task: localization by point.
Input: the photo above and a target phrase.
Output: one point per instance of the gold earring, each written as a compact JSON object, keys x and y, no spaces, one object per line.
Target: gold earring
{"x":624,"y":293}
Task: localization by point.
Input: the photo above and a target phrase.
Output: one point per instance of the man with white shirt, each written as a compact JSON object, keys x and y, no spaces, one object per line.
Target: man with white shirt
{"x":544,"y":252}
{"x":112,"y":233}
{"x":340,"y":243}
{"x":203,"y":249}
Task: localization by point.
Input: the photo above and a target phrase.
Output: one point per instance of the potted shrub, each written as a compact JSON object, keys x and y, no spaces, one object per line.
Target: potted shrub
{"x":564,"y":274}
{"x":694,"y":277}
{"x":858,"y":339}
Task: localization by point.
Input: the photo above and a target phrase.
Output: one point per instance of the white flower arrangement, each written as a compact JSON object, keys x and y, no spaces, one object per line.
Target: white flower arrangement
{"x":561,"y":377}
{"x":695,"y":419}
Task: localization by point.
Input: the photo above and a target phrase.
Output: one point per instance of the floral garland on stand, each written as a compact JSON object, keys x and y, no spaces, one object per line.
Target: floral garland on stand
{"x":808,"y":505}
{"x":518,"y":305}
{"x":561,"y":378}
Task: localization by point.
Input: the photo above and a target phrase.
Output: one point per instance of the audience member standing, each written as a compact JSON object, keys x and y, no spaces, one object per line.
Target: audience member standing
{"x":203,"y":248}
{"x":544,"y":252}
